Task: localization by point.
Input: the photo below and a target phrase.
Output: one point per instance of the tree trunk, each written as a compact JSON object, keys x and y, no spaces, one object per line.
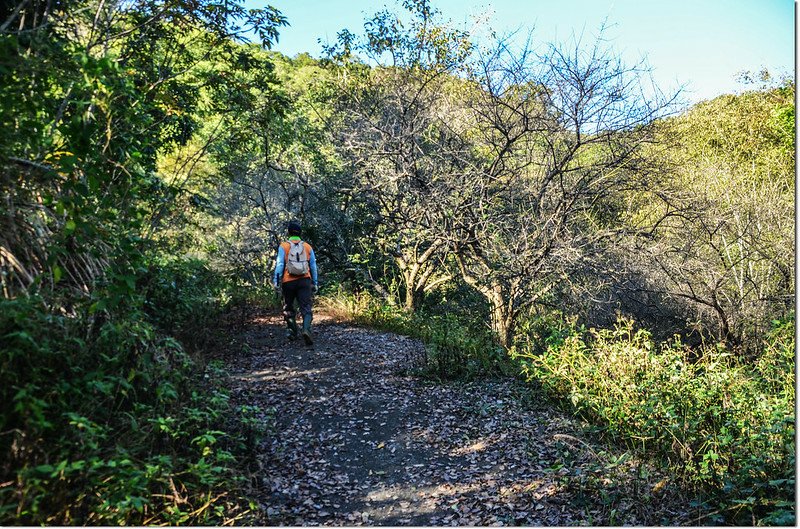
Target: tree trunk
{"x":416,"y":277}
{"x":416,"y":287}
{"x":412,"y":297}
{"x":410,"y":280}
{"x":502,"y":318}
{"x":502,"y":315}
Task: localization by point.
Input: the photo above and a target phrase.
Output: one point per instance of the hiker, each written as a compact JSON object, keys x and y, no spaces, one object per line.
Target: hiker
{"x":296,"y":274}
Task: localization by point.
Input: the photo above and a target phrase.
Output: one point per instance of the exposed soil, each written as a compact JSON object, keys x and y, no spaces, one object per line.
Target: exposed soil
{"x":358,"y":440}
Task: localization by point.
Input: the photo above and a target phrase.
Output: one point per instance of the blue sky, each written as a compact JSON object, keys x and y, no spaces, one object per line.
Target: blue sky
{"x":700,"y":43}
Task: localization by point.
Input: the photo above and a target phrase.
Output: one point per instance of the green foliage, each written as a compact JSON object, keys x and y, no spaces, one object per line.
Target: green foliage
{"x":777,"y":363}
{"x":106,"y":417}
{"x":723,"y":217}
{"x":751,"y":132}
{"x":541,"y":332}
{"x":182,"y":297}
{"x":137,"y":134}
{"x":457,"y":350}
{"x":108,"y":421}
{"x":725,"y":426}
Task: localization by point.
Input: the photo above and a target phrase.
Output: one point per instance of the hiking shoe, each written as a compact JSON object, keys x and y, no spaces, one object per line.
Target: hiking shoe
{"x":306,"y":334}
{"x":291,"y":329}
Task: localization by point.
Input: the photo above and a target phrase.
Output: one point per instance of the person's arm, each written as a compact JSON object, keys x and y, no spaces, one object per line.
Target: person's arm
{"x":279,"y":263}
{"x":312,"y":263}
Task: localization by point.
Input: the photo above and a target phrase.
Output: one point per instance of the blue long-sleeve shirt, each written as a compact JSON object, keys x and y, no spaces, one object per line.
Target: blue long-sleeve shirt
{"x":280,"y":262}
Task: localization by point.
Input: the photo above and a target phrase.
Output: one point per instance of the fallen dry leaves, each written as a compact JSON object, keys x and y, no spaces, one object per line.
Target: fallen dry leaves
{"x":357,"y":442}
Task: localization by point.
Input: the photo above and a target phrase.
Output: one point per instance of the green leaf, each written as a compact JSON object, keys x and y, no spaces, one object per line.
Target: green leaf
{"x":94,"y":185}
{"x":70,"y":226}
{"x":23,"y":336}
{"x":45,"y":469}
{"x":100,"y":305}
{"x":60,"y":468}
{"x":56,"y":274}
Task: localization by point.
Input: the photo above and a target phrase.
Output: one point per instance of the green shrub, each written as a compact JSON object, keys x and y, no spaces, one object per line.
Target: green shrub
{"x":182,"y":297}
{"x":245,"y":295}
{"x":106,"y":420}
{"x":725,"y":426}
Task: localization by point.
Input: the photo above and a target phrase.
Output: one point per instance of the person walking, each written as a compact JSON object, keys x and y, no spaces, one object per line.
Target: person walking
{"x":296,"y":275}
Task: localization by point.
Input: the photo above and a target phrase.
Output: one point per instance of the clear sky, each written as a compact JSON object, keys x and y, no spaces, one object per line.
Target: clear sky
{"x":700,"y":43}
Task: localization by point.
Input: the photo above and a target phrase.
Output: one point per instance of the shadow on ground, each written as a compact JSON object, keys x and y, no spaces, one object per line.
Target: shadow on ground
{"x":357,"y":442}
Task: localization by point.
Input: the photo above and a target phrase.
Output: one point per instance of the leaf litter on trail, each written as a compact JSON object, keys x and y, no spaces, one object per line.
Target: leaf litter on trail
{"x":358,"y":442}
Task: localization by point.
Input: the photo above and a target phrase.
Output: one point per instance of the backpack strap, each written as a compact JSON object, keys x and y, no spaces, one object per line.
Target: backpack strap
{"x":286,"y":245}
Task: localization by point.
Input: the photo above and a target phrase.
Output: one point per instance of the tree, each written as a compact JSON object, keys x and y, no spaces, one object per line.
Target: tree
{"x":280,"y":166}
{"x":391,"y":126}
{"x":559,"y":136}
{"x":726,"y":248}
{"x":95,"y":92}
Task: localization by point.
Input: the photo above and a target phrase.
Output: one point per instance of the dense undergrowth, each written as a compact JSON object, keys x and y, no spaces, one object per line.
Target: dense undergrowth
{"x":113,"y":417}
{"x":725,"y":427}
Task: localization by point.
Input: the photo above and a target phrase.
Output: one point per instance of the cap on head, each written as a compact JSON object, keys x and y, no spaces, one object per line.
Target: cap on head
{"x":293,"y":228}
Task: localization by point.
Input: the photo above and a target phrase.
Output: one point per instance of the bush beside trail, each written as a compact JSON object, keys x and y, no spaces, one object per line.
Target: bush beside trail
{"x":725,"y":426}
{"x":108,"y":420}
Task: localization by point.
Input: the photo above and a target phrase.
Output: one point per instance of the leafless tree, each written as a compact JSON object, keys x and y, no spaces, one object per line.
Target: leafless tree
{"x":560,"y":140}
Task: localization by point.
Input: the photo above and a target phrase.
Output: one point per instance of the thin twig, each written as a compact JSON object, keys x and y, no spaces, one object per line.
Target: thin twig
{"x":581,"y":441}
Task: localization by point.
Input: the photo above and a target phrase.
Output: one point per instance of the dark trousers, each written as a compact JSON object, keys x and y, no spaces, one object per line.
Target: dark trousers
{"x":300,"y":290}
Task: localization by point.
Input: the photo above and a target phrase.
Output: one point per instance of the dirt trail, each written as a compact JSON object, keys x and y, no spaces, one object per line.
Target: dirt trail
{"x":358,"y":441}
